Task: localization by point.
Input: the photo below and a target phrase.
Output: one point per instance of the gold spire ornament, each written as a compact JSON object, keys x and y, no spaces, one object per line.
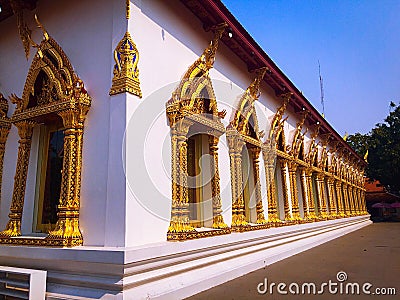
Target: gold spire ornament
{"x":126,"y":71}
{"x":128,"y":9}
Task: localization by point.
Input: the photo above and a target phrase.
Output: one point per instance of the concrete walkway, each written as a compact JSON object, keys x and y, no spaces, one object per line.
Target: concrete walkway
{"x":369,"y":255}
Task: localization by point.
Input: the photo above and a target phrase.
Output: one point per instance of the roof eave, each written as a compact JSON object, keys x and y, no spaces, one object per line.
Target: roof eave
{"x":218,"y":13}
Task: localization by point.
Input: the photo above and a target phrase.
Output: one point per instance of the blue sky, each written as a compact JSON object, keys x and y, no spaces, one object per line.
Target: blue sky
{"x":356,"y":42}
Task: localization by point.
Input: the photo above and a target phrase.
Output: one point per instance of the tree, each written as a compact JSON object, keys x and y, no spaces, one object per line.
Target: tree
{"x":383,"y":145}
{"x":359,"y":142}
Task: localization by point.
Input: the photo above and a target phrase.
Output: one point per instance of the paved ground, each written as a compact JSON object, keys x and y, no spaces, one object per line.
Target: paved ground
{"x":371,"y":254}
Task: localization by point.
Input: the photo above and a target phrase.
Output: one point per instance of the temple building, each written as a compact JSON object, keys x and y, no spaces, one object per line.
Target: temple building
{"x":152,"y":149}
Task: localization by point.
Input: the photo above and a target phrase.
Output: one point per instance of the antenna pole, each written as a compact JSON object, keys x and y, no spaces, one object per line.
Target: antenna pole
{"x":321,"y":85}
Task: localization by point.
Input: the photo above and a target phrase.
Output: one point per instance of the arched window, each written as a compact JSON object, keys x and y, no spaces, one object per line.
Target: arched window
{"x":243,"y":136}
{"x":55,"y":101}
{"x":195,"y":130}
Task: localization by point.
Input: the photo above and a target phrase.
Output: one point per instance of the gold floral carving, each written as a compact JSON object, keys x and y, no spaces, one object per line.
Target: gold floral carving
{"x":356,"y":201}
{"x":289,"y":218}
{"x":255,"y":154}
{"x":340,"y":198}
{"x":218,"y":221}
{"x":62,"y":93}
{"x":292,"y":168}
{"x":311,"y":196}
{"x":351,"y":200}
{"x":306,"y":188}
{"x":333,"y":212}
{"x":235,"y":145}
{"x":126,"y":71}
{"x":322,"y":214}
{"x":67,"y":228}
{"x":346,"y":200}
{"x":269,"y":156}
{"x":364,"y":203}
{"x":347,"y":176}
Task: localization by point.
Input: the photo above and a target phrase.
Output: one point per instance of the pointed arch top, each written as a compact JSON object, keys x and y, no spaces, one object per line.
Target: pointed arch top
{"x":313,"y":148}
{"x":277,"y":122}
{"x":195,"y":93}
{"x":322,"y":163}
{"x":245,"y":118}
{"x":298,"y":138}
{"x":52,"y":74}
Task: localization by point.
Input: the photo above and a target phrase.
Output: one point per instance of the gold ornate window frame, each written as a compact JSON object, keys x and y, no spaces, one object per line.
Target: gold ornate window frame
{"x":71,"y":102}
{"x":288,"y":166}
{"x":185,"y":109}
{"x":243,"y":131}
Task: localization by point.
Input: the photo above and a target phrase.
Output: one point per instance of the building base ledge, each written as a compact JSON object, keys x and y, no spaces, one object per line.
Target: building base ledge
{"x":170,"y":270}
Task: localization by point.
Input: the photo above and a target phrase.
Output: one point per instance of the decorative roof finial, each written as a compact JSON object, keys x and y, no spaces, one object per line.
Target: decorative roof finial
{"x":254,"y":87}
{"x":208,"y":56}
{"x":128,"y":9}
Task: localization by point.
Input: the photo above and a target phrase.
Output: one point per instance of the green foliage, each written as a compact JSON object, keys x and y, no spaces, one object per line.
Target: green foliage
{"x":383,"y":145}
{"x":359,"y":142}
